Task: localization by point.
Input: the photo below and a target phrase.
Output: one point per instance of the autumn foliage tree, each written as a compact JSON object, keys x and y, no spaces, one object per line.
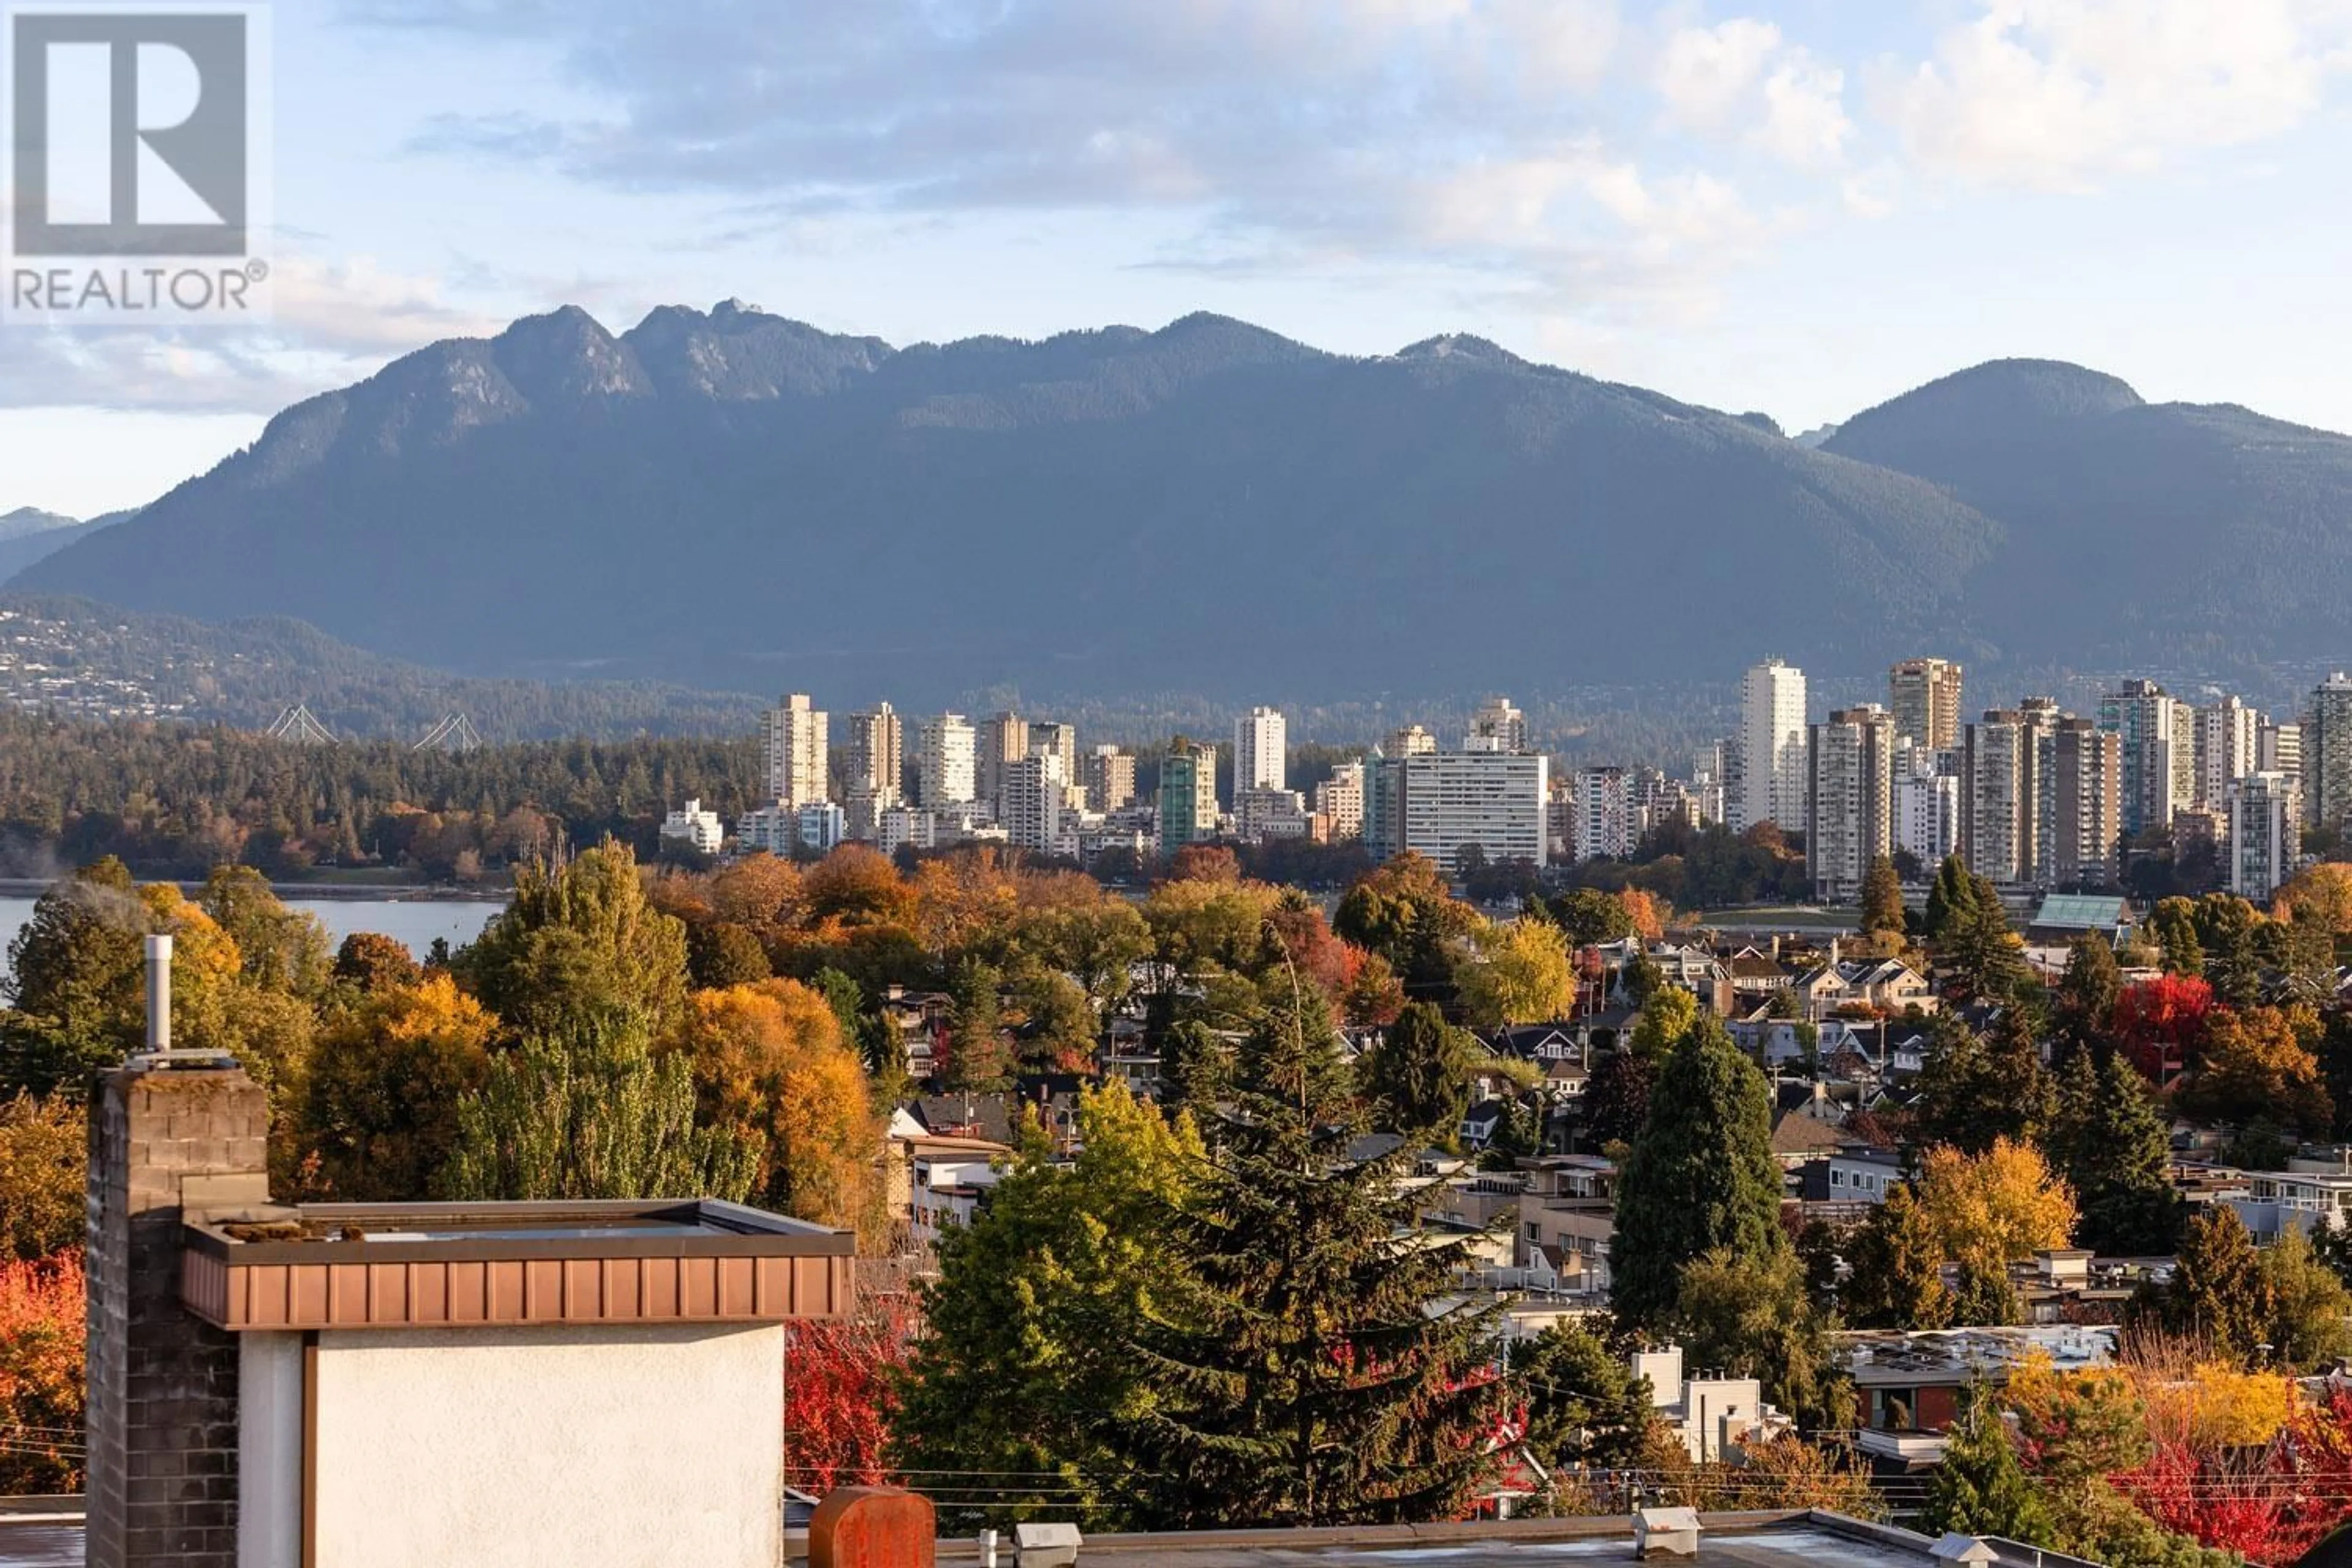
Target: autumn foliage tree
{"x":2160,"y":1024}
{"x":841,"y":1394}
{"x":41,"y":1382}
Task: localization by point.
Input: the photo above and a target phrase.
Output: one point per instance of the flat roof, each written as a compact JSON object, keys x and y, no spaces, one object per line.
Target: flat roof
{"x":1760,"y":1540}
{"x":338,"y":1266}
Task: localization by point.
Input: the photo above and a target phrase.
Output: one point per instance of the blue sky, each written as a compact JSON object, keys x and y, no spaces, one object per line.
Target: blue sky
{"x":1802,"y":207}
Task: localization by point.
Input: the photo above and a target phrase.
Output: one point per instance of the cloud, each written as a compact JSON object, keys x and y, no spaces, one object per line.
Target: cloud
{"x":334,"y":322}
{"x":2055,"y":94}
{"x":1741,"y":78}
{"x":1475,"y":135}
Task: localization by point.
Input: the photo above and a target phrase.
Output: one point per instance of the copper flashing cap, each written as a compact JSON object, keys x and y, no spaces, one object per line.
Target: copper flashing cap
{"x":354,"y":1266}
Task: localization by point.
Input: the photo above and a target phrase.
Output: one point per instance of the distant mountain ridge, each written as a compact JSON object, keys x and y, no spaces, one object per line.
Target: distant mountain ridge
{"x":732,"y":499}
{"x":27,"y":534}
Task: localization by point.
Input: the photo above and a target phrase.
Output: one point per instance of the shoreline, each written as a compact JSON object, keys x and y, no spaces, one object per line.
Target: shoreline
{"x":314,"y":892}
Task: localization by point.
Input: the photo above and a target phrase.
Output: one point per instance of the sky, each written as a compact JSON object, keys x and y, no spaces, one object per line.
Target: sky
{"x":1802,"y":206}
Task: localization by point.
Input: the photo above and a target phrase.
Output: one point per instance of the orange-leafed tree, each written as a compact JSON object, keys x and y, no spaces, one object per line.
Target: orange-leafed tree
{"x":2254,"y":1065}
{"x":41,"y":1441}
{"x":769,"y":1059}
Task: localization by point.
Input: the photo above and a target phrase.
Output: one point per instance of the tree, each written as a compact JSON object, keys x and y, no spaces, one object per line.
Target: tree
{"x":1882,"y":899}
{"x":1665,"y":1017}
{"x":1030,"y":1342}
{"x":1981,"y":1296}
{"x":841,"y":1377}
{"x":577,"y":944}
{"x":1617,"y":1101}
{"x":1701,"y":1175}
{"x":2218,"y":1290}
{"x":379,"y":1112}
{"x":1749,"y":1314}
{"x":279,"y":949}
{"x":1418,"y":1076}
{"x":2253,"y":1065}
{"x":1294,"y":1374}
{"x":1584,"y":1405}
{"x":1975,"y":1090}
{"x":2115,"y":1149}
{"x":76,"y":975}
{"x":1975,"y":944}
{"x":977,"y":1058}
{"x":720,"y":953}
{"x":2173,"y":925}
{"x":44,"y":1162}
{"x":2227,"y":927}
{"x":1516,"y":973}
{"x":591,"y":1113}
{"x":2311,"y":1310}
{"x":1951,"y":897}
{"x":1981,"y":1488}
{"x":2160,"y":1023}
{"x":2084,"y":1003}
{"x":43,"y":1307}
{"x":2320,"y":895}
{"x":369,"y":962}
{"x":1895,"y":1263}
{"x":1995,"y":1208}
{"x":1587,"y":918}
{"x":1058,"y":1025}
{"x":772,"y":1072}
{"x":1406,"y":913}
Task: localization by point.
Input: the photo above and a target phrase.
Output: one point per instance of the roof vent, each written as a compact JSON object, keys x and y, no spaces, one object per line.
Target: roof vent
{"x":1665,"y":1532}
{"x":1047,"y":1545}
{"x":1958,"y":1548}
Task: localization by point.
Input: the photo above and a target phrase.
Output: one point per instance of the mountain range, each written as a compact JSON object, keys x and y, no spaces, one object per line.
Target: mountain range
{"x":28,"y":533}
{"x":734,"y":500}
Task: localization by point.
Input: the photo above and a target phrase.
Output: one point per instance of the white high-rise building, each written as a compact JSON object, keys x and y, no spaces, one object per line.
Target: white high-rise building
{"x":1602,"y":814}
{"x":1498,"y":727}
{"x":1447,"y":801}
{"x":1261,"y":760}
{"x":1000,"y":740}
{"x":1339,"y":800}
{"x":945,"y":748}
{"x":2228,"y":736}
{"x":699,"y":829}
{"x":1031,"y":810}
{"x":792,"y":739}
{"x":1928,"y":816}
{"x":2265,"y":834}
{"x":1410,"y":741}
{"x":1109,"y":775}
{"x":1772,"y":748}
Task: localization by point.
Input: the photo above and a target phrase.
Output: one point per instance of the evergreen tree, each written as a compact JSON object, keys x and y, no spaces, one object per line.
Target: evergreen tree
{"x":977,"y":1059}
{"x":1981,"y":1488}
{"x":1981,"y":953}
{"x":1291,"y":1373}
{"x":2113,"y":1146}
{"x":1196,"y":1068}
{"x":1895,"y":1279}
{"x":2084,"y":1006}
{"x":2226,"y":930}
{"x":1617,"y":1101}
{"x":1882,"y":899}
{"x":1951,"y":897}
{"x":592,"y":1113}
{"x":1981,"y":1296}
{"x":1585,"y":1406}
{"x":2218,"y":1292}
{"x":1701,"y":1175}
{"x":1974,"y":1090}
{"x":2174,"y":926}
{"x":1417,"y":1077}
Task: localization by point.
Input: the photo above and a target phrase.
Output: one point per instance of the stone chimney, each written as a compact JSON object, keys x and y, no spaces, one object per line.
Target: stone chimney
{"x":163,"y":1384}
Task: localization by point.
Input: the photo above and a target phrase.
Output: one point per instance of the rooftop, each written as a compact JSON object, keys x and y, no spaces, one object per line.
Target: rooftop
{"x":1763,"y":1540}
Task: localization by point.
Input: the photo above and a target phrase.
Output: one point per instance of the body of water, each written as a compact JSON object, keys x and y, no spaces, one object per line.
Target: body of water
{"x":416,"y":921}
